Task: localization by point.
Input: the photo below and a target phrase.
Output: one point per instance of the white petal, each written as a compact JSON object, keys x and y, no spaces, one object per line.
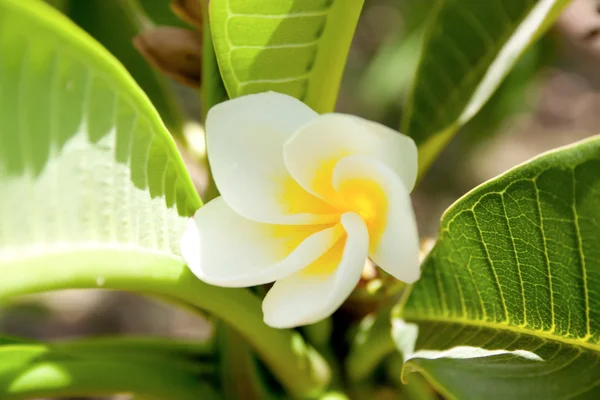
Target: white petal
{"x":245,"y":138}
{"x":394,"y":240}
{"x":312,"y":152}
{"x":317,"y":291}
{"x":225,"y":249}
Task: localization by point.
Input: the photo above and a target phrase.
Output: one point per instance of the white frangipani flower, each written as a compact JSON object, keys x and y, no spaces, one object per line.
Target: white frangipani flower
{"x":305,"y":199}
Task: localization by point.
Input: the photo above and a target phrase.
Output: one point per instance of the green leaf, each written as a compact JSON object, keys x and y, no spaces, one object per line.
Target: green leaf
{"x":61,"y":5}
{"x":371,"y":343}
{"x":515,"y":270}
{"x":94,"y":16}
{"x":159,"y":11}
{"x":514,"y":95}
{"x":136,"y":347}
{"x":213,"y":90}
{"x":469,"y":47}
{"x":37,"y":370}
{"x":388,"y":76}
{"x":297,"y":47}
{"x":88,"y":173}
{"x":94,"y":193}
{"x":5,"y":340}
{"x":241,"y":376}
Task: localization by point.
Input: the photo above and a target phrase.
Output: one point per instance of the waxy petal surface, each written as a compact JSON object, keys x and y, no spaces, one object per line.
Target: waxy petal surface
{"x":317,"y":291}
{"x":394,"y":239}
{"x":312,"y":152}
{"x":225,"y":249}
{"x":306,"y":198}
{"x":245,"y":138}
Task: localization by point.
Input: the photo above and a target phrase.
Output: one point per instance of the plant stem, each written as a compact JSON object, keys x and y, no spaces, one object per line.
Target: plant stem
{"x":213,"y":90}
{"x":371,"y":344}
{"x":416,"y":387}
{"x":319,"y":333}
{"x":240,"y":378}
{"x":301,"y":370}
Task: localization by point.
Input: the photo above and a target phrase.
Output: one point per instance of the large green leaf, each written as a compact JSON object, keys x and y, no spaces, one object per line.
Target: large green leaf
{"x":38,"y":370}
{"x":160,"y":12}
{"x":297,"y":47}
{"x":93,"y":191}
{"x":99,"y":18}
{"x":88,"y":172}
{"x":470,"y":46}
{"x":515,"y":270}
{"x":213,"y":90}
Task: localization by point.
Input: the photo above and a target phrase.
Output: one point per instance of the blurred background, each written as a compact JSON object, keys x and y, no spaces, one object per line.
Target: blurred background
{"x":551,"y":98}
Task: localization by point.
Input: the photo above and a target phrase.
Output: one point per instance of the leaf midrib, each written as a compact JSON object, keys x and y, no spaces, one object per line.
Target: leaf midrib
{"x":541,"y":334}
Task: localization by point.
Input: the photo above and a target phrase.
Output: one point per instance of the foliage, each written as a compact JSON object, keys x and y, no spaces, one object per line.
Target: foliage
{"x":95,"y":194}
{"x":296,"y":47}
{"x":514,"y":269}
{"x":86,"y":158}
{"x":469,"y":48}
{"x":71,"y":114}
{"x":92,"y":16}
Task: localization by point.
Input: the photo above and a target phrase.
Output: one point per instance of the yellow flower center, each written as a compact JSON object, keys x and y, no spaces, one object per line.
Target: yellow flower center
{"x":328,"y":262}
{"x":362,"y":196}
{"x":367,"y":199}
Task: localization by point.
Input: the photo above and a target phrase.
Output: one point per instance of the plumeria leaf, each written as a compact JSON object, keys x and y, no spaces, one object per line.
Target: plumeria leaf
{"x":136,"y":348}
{"x":213,"y":89}
{"x":88,"y":172}
{"x":94,"y":192}
{"x":162,"y":12}
{"x":293,"y":47}
{"x":469,"y":47}
{"x":92,"y":16}
{"x":508,"y":303}
{"x":61,"y":5}
{"x":39,"y":370}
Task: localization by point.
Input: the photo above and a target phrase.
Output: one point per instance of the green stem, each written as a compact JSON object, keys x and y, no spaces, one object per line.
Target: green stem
{"x":371,"y":344}
{"x":416,"y":386}
{"x":29,"y":371}
{"x":301,"y":370}
{"x":319,"y":333}
{"x":211,"y":191}
{"x":213,"y":90}
{"x":361,"y":363}
{"x":240,"y":378}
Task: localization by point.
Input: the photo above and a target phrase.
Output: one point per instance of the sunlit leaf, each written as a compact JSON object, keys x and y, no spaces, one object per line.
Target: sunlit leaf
{"x":289,"y":46}
{"x":61,"y":5}
{"x":515,"y":273}
{"x":88,"y":173}
{"x":213,"y":90}
{"x":38,"y":370}
{"x":114,"y":23}
{"x":469,"y":48}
